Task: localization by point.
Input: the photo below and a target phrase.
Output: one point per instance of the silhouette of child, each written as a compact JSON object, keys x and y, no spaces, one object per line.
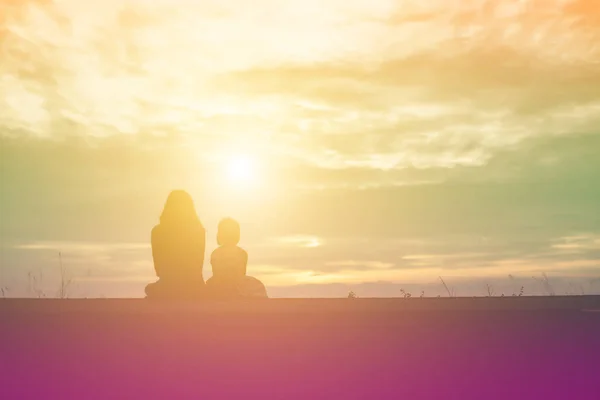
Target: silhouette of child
{"x":229,"y":262}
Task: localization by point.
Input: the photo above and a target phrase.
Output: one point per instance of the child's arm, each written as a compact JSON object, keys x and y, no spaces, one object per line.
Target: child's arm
{"x":198,"y":252}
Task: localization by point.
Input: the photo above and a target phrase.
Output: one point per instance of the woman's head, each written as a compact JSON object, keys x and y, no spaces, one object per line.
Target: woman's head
{"x":228,"y":232}
{"x":179,"y":209}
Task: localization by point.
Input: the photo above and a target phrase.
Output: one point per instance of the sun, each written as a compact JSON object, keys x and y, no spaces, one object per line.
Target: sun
{"x":242,"y":170}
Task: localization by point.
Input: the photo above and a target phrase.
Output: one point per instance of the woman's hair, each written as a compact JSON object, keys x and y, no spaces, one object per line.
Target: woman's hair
{"x":179,"y":209}
{"x":228,"y":232}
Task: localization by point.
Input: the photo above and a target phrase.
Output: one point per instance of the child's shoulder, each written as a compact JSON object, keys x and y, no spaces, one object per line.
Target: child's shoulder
{"x":228,"y":254}
{"x":229,"y":250}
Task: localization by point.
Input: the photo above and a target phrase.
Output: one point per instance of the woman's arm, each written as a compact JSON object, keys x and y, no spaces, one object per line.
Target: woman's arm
{"x":245,"y":263}
{"x":213,"y":263}
{"x":199,"y":251}
{"x":157,"y":252}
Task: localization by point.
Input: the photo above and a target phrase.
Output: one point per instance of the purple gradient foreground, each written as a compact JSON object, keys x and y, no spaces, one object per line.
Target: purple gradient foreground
{"x":131,"y":349}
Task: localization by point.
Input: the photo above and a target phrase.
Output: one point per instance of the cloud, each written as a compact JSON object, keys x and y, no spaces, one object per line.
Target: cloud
{"x":431,"y":110}
{"x":540,"y":189}
{"x":368,"y":85}
{"x":75,"y":247}
{"x":300,"y":240}
{"x":356,"y":264}
{"x":423,"y":259}
{"x":84,"y":260}
{"x":578,"y":244}
{"x":406,"y":262}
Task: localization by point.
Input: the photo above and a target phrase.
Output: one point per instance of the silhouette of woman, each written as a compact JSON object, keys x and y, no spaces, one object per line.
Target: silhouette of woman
{"x":178,"y":246}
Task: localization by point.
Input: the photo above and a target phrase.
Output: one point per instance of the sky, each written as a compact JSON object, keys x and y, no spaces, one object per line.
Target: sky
{"x":363,"y":145}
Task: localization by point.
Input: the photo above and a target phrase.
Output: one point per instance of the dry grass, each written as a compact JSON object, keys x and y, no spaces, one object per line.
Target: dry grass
{"x":35,"y":287}
{"x":546,"y":285}
{"x":450,"y":291}
{"x":35,"y":283}
{"x":65,"y":280}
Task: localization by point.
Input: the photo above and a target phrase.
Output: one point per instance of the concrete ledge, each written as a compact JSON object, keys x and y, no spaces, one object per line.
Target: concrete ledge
{"x":432,"y":348}
{"x":310,"y":306}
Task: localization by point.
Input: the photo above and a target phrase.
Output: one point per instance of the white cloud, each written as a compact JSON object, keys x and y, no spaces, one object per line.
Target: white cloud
{"x":357,"y":263}
{"x":300,"y":241}
{"x":577,"y":244}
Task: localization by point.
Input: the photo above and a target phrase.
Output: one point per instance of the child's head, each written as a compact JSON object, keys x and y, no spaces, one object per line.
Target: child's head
{"x":228,"y":232}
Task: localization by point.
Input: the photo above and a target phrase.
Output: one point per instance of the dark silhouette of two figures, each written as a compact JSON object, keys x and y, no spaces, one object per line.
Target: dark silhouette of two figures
{"x":178,"y":250}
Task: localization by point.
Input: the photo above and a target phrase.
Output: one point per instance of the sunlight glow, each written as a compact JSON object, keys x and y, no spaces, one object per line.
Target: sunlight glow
{"x":242,"y":170}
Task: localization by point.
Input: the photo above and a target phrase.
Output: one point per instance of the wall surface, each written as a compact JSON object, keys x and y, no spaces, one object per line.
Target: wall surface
{"x":486,"y":348}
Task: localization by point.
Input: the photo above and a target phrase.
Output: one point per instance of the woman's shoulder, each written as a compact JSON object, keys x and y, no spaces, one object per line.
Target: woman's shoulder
{"x":156,"y":230}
